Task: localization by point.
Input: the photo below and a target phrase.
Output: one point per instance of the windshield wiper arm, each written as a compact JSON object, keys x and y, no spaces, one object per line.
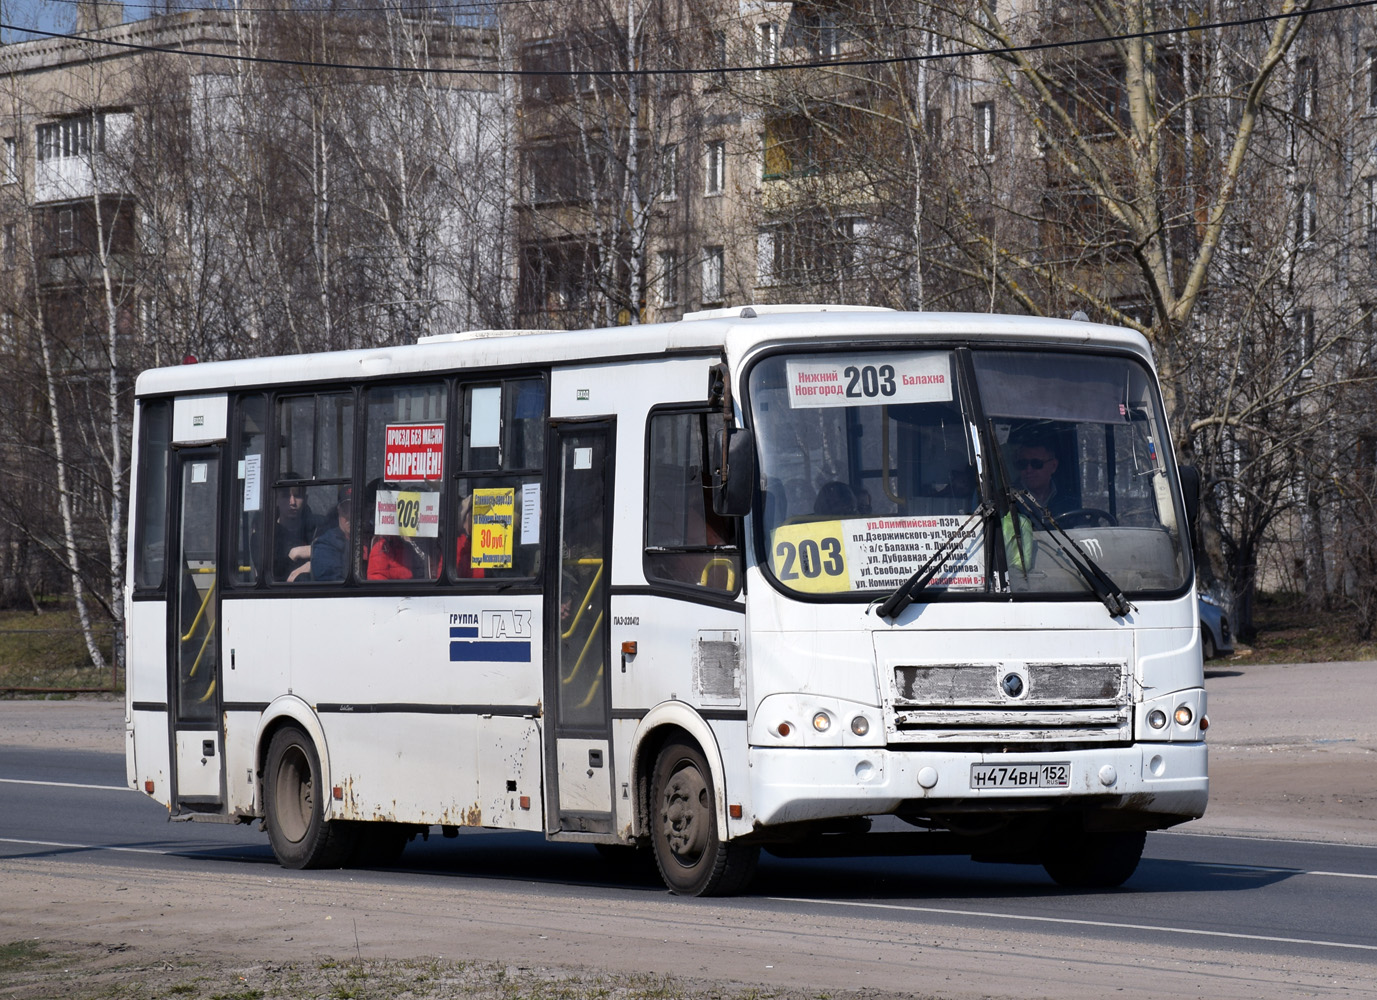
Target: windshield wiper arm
{"x":1109,"y":592}
{"x":923,"y":575}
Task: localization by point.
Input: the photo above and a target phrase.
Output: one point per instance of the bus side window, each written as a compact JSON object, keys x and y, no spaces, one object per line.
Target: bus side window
{"x":155,"y":445}
{"x":315,"y":457}
{"x":686,"y":542}
{"x":497,"y":495}
{"x":248,"y":496}
{"x":404,"y":469}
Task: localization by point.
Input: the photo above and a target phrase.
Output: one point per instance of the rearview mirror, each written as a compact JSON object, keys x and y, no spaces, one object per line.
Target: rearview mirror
{"x":733,"y":475}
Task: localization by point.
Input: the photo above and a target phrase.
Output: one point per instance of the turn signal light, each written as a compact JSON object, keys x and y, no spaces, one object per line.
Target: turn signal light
{"x":1204,"y":723}
{"x":784,"y":729}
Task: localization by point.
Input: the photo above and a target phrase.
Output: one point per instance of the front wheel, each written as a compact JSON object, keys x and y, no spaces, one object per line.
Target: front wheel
{"x":1094,"y":860}
{"x":294,"y":810}
{"x":692,"y":858}
{"x":1207,"y":647}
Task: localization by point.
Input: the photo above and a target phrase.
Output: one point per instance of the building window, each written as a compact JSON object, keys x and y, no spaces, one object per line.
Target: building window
{"x":667,"y":280}
{"x":769,"y":44}
{"x":1305,"y":217}
{"x":984,"y":112}
{"x":10,"y":167}
{"x":1303,"y":346}
{"x":715,"y":168}
{"x":713,"y":284}
{"x":1370,"y":212}
{"x":1306,"y":84}
{"x":1372,"y":79}
{"x":718,"y":78}
{"x":669,"y":165}
{"x":765,"y":258}
{"x":70,"y":138}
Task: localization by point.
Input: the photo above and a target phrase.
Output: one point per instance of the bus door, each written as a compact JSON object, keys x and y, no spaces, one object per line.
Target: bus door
{"x":577,"y":699}
{"x":194,"y":627}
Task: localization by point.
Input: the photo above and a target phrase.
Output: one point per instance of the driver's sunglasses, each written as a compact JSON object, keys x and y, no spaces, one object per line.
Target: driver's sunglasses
{"x":1031,"y":463}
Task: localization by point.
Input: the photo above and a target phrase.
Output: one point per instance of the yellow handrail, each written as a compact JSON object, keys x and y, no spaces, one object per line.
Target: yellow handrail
{"x":718,"y":562}
{"x":583,"y":604}
{"x":592,"y":633}
{"x":202,"y":610}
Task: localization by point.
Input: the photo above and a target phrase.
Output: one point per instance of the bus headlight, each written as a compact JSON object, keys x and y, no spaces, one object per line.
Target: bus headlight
{"x":1157,"y":718}
{"x":1184,"y":715}
{"x":860,"y":725}
{"x":822,"y":721}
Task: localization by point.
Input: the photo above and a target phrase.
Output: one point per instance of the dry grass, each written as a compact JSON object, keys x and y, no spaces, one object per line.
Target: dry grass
{"x":1291,"y":632}
{"x":31,"y":972}
{"x":46,"y":651}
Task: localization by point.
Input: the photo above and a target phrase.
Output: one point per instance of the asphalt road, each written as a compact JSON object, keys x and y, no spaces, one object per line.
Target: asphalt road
{"x":1257,"y":917}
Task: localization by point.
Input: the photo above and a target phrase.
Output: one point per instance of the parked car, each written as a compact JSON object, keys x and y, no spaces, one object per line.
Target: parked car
{"x":1216,"y":639}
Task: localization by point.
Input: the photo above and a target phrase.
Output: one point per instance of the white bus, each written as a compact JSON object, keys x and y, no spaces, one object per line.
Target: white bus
{"x":755,"y":580}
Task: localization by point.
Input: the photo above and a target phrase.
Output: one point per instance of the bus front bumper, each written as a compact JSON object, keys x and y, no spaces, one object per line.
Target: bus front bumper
{"x":790,"y":785}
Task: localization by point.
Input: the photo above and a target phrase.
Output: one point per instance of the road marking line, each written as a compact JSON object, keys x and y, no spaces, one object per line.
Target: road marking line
{"x":1261,"y":837}
{"x":65,"y":784}
{"x":82,"y":847}
{"x":1073,"y":922}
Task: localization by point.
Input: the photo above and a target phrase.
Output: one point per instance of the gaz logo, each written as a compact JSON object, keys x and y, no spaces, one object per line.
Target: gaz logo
{"x":490,"y":637}
{"x":504,"y":624}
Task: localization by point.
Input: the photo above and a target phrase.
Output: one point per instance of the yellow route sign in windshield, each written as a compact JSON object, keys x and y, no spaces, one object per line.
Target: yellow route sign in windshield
{"x":868,"y":553}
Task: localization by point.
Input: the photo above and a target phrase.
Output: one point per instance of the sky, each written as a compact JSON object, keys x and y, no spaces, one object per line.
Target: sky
{"x":48,"y":15}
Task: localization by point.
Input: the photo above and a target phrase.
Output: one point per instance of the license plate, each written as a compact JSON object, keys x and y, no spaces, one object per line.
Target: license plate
{"x":1054,"y":775}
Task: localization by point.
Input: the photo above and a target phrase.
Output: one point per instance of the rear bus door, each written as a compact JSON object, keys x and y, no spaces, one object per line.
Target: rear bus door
{"x":579,"y":573}
{"x":194,"y":669}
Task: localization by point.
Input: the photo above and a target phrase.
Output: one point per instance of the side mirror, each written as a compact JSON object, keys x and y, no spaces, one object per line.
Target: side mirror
{"x":733,"y":478}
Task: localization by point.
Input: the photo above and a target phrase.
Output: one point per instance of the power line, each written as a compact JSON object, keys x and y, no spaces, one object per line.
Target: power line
{"x":709,"y":70}
{"x":185,"y":8}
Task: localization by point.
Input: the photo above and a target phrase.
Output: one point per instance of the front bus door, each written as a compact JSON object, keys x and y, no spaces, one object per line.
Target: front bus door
{"x":579,"y":759}
{"x":194,"y":656}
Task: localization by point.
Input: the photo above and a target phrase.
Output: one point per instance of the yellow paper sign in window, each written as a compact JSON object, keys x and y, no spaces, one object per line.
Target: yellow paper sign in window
{"x":810,"y":557}
{"x":494,"y":513}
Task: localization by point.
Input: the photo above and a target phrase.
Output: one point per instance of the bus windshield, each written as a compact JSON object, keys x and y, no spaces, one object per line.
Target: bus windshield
{"x":872,"y":468}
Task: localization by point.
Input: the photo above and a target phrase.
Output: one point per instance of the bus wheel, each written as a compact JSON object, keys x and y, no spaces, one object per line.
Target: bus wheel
{"x":295,"y":812}
{"x":692,"y":858}
{"x":1095,"y":860}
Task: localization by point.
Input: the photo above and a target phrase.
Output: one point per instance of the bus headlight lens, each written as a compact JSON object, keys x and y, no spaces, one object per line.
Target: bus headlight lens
{"x":860,"y":725}
{"x":1184,"y":715}
{"x":1157,"y":718}
{"x":822,"y":722}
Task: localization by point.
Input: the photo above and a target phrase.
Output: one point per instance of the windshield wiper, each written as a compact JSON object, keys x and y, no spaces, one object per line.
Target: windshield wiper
{"x":1109,"y":592}
{"x":923,"y":575}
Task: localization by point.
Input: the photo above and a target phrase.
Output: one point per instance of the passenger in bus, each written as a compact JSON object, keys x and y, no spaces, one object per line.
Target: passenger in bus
{"x":835,"y":499}
{"x":330,"y":550}
{"x":396,"y":557}
{"x":296,"y":528}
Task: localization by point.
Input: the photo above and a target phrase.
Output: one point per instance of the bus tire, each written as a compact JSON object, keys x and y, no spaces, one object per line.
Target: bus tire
{"x":692,"y":858}
{"x":1095,"y":860}
{"x":294,"y":808}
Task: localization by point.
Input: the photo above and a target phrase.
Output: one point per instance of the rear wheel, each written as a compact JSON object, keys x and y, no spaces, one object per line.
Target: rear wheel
{"x":692,"y":858}
{"x":1094,"y":860}
{"x":294,"y":809}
